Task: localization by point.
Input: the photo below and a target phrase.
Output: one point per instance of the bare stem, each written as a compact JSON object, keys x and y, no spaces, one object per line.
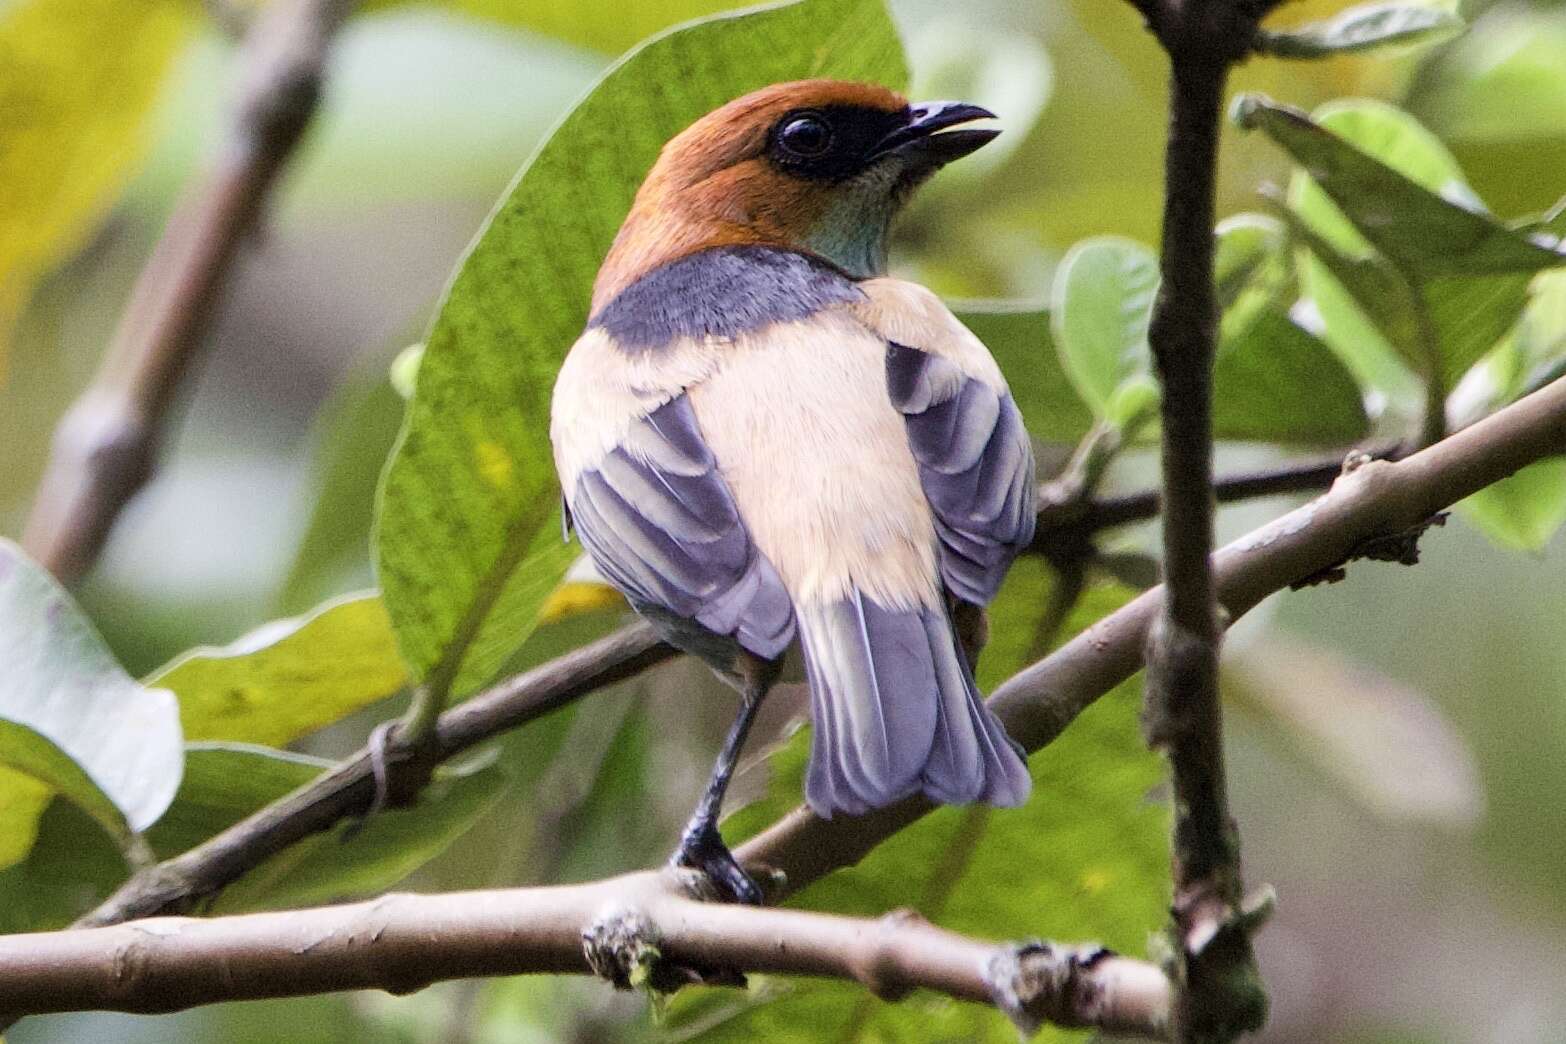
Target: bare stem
{"x":639,"y":928}
{"x":105,"y":444}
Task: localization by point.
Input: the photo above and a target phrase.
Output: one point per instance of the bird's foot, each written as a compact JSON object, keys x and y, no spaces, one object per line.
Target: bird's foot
{"x":702,"y":848}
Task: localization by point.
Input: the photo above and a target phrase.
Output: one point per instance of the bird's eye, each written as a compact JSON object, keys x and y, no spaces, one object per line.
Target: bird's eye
{"x":805,"y":136}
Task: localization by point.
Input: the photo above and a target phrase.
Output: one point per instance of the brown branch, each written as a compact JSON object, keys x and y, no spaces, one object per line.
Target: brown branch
{"x":105,"y":444}
{"x":178,"y":884}
{"x":627,"y":929}
{"x":1036,"y":705}
{"x":1219,"y":993}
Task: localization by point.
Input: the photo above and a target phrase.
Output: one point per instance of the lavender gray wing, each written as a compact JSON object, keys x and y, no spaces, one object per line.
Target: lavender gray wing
{"x":662,"y":525}
{"x":975,"y":465}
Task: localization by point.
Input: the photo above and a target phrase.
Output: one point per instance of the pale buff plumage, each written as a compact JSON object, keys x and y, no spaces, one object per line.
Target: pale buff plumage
{"x":818,"y":462}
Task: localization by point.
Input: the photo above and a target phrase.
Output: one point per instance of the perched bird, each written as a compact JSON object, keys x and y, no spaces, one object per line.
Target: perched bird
{"x":761,"y":436}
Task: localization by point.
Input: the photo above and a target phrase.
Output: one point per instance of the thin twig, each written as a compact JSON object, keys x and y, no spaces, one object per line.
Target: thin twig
{"x":105,"y":444}
{"x":347,"y":789}
{"x":629,"y":929}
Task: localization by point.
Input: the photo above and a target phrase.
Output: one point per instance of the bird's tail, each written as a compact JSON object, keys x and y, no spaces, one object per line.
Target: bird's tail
{"x":896,"y":710}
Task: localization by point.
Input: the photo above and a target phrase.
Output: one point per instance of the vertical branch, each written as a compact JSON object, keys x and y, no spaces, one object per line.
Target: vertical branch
{"x":1219,"y":993}
{"x":105,"y":444}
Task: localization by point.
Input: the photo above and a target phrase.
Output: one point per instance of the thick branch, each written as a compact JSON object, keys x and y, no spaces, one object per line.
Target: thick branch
{"x":624,"y":928}
{"x":1376,"y":499}
{"x":105,"y":444}
{"x":347,"y":790}
{"x":51,"y":972}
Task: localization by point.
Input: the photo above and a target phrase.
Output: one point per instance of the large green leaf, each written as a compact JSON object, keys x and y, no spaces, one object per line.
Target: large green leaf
{"x":72,"y":866}
{"x":1379,"y":168}
{"x":1019,"y":338}
{"x":1398,"y":239}
{"x":603,"y":25}
{"x":78,"y":79}
{"x":70,"y":717}
{"x":1086,"y":858}
{"x":226,"y":782}
{"x":1276,"y":382}
{"x":467,"y":541}
{"x":289,"y":677}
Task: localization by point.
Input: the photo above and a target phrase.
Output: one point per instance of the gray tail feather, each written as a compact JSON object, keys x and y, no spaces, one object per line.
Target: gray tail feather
{"x":896,"y":711}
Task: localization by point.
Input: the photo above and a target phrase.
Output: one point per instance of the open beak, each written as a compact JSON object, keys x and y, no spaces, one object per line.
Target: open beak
{"x":920,"y":138}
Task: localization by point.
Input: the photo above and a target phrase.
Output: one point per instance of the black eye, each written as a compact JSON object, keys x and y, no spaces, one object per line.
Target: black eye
{"x":805,"y":136}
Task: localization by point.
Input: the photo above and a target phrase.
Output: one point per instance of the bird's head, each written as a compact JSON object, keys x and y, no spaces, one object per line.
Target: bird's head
{"x":815,"y":165}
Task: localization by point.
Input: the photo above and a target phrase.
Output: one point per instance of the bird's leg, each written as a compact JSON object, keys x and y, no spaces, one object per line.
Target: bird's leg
{"x":701,"y":846}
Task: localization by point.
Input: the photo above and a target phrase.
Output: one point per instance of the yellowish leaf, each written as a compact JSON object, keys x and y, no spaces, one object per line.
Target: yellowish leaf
{"x":78,"y":79}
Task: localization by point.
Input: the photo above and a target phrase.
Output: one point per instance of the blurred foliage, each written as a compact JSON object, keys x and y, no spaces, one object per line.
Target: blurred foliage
{"x":78,"y":79}
{"x":1381,"y":285}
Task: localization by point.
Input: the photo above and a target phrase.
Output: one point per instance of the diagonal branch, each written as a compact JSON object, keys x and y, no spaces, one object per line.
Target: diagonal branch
{"x":104,"y":446}
{"x":176,"y":885}
{"x":1036,"y":705}
{"x":348,"y":788}
{"x":631,"y":930}
{"x":41,"y":971}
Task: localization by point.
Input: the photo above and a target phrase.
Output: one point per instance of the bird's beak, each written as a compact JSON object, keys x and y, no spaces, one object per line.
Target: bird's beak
{"x":919,"y":137}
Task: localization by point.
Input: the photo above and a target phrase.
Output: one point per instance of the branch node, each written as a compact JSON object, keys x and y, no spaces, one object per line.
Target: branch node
{"x":1401,"y":547}
{"x":622,"y":946}
{"x":1037,"y":982}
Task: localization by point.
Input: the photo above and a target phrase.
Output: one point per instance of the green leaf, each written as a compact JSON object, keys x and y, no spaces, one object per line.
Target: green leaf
{"x":1276,"y":382}
{"x":22,"y":800}
{"x":289,"y":677}
{"x":1522,"y":511}
{"x":467,"y":542}
{"x":224,"y":783}
{"x":70,"y":717}
{"x":78,"y":80}
{"x":1086,"y":858}
{"x":1427,"y":230}
{"x":1364,"y":28}
{"x":1018,"y":335}
{"x":1382,"y":207}
{"x":1273,"y":379}
{"x":71,"y":866}
{"x":1099,"y":311}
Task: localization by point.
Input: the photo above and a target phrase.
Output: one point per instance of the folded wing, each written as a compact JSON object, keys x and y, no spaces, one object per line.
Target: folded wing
{"x":662,"y":525}
{"x":975,"y":460}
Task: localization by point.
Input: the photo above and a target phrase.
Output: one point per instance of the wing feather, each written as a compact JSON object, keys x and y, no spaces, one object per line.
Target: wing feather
{"x":662,"y":525}
{"x":975,"y":460}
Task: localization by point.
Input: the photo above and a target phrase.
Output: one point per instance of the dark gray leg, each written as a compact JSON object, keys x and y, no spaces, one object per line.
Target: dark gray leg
{"x":701,"y":846}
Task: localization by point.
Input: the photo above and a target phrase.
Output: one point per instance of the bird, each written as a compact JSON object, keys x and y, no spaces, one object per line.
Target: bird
{"x":763,"y":439}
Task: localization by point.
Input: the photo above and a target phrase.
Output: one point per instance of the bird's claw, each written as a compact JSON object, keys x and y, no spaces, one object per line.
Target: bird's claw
{"x":701,"y":848}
